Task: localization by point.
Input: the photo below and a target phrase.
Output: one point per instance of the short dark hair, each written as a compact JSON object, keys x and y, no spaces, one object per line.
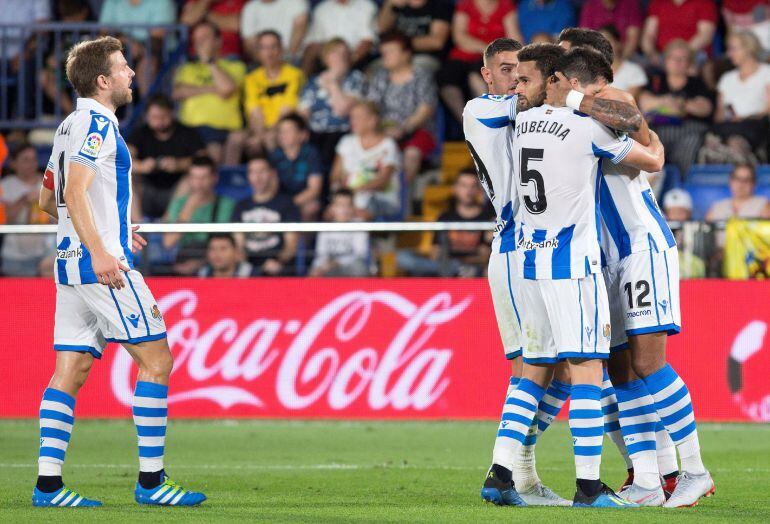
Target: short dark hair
{"x":89,"y":60}
{"x":210,"y":25}
{"x":344,"y":192}
{"x":20,"y":148}
{"x":260,"y":158}
{"x":580,"y":37}
{"x":160,"y":100}
{"x":585,"y":64}
{"x":500,"y":45}
{"x":467,"y":170}
{"x":296,"y":119}
{"x":397,"y":36}
{"x":611,"y":30}
{"x":224,"y":236}
{"x":270,"y":32}
{"x":204,"y":161}
{"x":545,"y":57}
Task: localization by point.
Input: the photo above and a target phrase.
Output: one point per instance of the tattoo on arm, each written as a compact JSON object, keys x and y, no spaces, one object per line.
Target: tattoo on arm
{"x":612,"y":113}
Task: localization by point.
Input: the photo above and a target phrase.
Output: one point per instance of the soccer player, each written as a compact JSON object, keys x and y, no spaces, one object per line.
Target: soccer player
{"x":564,"y":310}
{"x":642,"y":277}
{"x":100,"y":298}
{"x":487,"y":123}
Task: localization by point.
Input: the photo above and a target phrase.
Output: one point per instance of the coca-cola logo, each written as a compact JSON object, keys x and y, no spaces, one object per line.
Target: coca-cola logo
{"x":297,"y":364}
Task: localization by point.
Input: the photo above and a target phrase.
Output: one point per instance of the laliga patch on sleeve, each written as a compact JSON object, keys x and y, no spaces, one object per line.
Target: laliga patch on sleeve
{"x":92,"y":145}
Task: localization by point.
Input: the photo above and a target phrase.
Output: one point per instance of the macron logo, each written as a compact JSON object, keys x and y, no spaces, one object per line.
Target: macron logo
{"x":100,"y":123}
{"x":134,"y":319}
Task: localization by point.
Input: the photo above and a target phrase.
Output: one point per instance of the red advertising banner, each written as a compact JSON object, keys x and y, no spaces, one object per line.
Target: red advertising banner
{"x":361,"y":348}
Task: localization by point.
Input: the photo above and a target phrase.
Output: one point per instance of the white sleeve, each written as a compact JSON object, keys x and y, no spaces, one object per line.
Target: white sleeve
{"x":248,"y":19}
{"x":606,"y":143}
{"x":638,"y":78}
{"x":321,"y":250}
{"x":392,"y":154}
{"x":89,"y":140}
{"x":361,"y":246}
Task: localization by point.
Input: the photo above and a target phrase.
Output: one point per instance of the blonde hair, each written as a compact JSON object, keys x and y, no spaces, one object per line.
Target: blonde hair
{"x":89,"y":60}
{"x":750,"y":42}
{"x":332,"y":44}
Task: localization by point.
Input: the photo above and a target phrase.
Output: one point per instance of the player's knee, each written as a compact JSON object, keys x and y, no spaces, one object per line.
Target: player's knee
{"x":648,"y":354}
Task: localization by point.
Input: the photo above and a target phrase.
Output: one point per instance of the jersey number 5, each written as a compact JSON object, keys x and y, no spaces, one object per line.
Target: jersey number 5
{"x":528,"y":175}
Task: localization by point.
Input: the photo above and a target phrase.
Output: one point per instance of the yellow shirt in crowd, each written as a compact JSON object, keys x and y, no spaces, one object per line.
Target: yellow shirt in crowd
{"x":210,"y":109}
{"x":271,"y":95}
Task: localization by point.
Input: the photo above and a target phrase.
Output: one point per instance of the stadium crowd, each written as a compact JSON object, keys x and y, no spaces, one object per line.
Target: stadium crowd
{"x":345,"y":110}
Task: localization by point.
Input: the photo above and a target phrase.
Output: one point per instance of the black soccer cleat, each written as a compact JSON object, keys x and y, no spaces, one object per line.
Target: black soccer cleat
{"x":500,"y":492}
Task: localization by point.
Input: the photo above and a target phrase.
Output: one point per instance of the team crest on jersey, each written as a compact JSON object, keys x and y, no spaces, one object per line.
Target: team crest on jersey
{"x":156,"y":313}
{"x":497,"y":98}
{"x":606,"y":331}
{"x":92,"y":145}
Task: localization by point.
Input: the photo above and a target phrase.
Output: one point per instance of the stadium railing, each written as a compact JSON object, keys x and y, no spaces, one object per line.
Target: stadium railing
{"x":22,"y":99}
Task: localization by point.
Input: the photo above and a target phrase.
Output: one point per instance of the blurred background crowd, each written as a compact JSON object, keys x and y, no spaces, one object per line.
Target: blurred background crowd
{"x":346,"y":110}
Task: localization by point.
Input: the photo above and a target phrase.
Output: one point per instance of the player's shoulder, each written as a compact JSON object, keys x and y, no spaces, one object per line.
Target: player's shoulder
{"x":493,"y":111}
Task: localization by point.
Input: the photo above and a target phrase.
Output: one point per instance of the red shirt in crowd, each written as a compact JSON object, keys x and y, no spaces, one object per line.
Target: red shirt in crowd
{"x":625,"y":14}
{"x":680,"y":21}
{"x":231,"y":40}
{"x":484,"y":28}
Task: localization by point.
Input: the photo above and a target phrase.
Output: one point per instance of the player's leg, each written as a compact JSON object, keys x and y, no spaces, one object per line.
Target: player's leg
{"x":76,"y":342}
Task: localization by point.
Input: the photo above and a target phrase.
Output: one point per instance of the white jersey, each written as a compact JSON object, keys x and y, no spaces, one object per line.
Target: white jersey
{"x":631,"y":219}
{"x":488,"y":127}
{"x":557,"y":155}
{"x":90,"y":136}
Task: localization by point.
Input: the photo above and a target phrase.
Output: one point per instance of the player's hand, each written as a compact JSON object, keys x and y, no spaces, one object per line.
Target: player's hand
{"x":137,"y":240}
{"x":108,"y":270}
{"x":556,"y":90}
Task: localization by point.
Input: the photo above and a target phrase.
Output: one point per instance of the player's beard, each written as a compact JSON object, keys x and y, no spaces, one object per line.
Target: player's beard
{"x":123,"y":97}
{"x":523,"y":103}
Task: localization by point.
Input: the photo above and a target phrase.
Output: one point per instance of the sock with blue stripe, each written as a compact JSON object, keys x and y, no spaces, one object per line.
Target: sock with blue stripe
{"x":672,"y":400}
{"x":638,"y":420}
{"x":666,"y":451}
{"x":587,"y":428}
{"x":611,"y":424}
{"x":57,"y":416}
{"x":150,"y":410}
{"x":518,"y":413}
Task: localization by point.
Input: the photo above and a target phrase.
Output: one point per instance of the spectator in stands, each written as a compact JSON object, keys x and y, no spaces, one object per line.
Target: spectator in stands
{"x":677,"y":206}
{"x":625,"y":16}
{"x":208,"y":90}
{"x":270,"y":91}
{"x":678,"y":106}
{"x":368,"y":163}
{"x":475,"y":23}
{"x":693,"y":21}
{"x":748,"y":15}
{"x":425,"y":22}
{"x":199,"y":206}
{"x":271,"y":254}
{"x":341,"y":253}
{"x":743,"y":203}
{"x":22,"y":254}
{"x":406,"y":96}
{"x":352,"y":20}
{"x":543,"y":16}
{"x":298,"y":165}
{"x":223,"y":259}
{"x":288,"y":18}
{"x":162,"y":150}
{"x":225,"y":15}
{"x":456,"y":253}
{"x":144,"y":46}
{"x":327,"y":98}
{"x":629,"y":76}
{"x":743,"y":96}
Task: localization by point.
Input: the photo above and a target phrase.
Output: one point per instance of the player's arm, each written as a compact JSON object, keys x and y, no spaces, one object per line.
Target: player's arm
{"x":647,"y":158}
{"x":611,"y":93}
{"x":47,"y":202}
{"x":618,"y":115}
{"x":106,"y":267}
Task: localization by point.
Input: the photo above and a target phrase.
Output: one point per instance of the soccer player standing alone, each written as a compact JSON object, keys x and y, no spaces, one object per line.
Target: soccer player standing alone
{"x":100,"y":298}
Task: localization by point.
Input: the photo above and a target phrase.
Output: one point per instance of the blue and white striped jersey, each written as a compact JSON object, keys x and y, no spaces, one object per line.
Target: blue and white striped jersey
{"x":488,"y":127}
{"x":557,"y":155}
{"x":631,"y":219}
{"x":90,"y":136}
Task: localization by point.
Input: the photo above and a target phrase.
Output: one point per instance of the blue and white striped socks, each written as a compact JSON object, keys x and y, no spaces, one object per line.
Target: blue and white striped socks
{"x":674,"y":406}
{"x":57,"y":415}
{"x":587,"y":428}
{"x":638,"y":421}
{"x":518,"y":413}
{"x":611,"y":424}
{"x":666,"y":451}
{"x":150,"y":410}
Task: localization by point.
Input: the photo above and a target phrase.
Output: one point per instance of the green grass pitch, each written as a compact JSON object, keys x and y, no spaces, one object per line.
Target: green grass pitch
{"x":296,"y":471}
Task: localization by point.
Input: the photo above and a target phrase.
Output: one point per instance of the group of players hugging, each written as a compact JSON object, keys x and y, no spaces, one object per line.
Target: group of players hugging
{"x":584,"y":277}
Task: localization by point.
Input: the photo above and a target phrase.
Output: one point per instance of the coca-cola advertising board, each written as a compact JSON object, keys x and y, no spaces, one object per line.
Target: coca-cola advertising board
{"x":361,"y":348}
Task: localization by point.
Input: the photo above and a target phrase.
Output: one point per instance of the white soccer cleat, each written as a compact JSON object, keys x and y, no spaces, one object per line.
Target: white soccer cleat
{"x":540,"y":495}
{"x":689,"y":489}
{"x":644,"y":497}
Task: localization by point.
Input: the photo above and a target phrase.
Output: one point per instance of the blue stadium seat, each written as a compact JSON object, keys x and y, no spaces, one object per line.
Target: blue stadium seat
{"x":672,"y":179}
{"x":709,"y":174}
{"x":704,"y":196}
{"x":763,"y":175}
{"x":404,"y":199}
{"x":43,"y":155}
{"x":233,"y":183}
{"x":764,"y":190}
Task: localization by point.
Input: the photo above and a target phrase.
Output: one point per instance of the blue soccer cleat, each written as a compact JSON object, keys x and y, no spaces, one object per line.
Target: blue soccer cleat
{"x":63,"y":498}
{"x":500,"y":492}
{"x":168,"y":493}
{"x":606,"y":498}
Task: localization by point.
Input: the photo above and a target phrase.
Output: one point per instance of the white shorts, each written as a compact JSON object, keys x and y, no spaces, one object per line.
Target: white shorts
{"x":507,"y":311}
{"x":88,"y":316}
{"x":564,"y":319}
{"x":643,"y":291}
